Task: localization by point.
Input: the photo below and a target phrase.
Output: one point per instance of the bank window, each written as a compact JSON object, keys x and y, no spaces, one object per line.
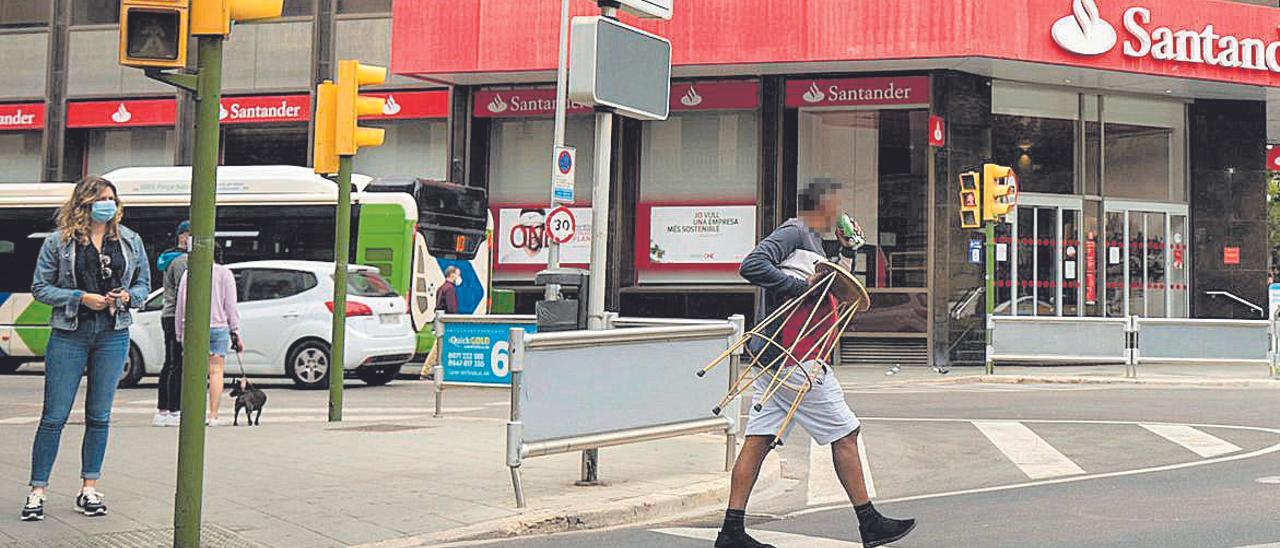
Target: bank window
{"x":878,"y":160}
{"x":1145,"y":151}
{"x":703,"y":156}
{"x":520,"y":159}
{"x":95,"y":12}
{"x":20,"y":157}
{"x":249,"y":145}
{"x":298,"y":8}
{"x":364,"y":6}
{"x":24,"y":13}
{"x":1034,"y":131}
{"x":115,"y":148}
{"x":417,"y":148}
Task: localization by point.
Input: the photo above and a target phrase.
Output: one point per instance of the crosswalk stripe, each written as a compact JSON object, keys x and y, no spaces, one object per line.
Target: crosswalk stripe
{"x":19,"y":420}
{"x":1196,"y":441}
{"x":866,"y":468}
{"x":824,"y":484}
{"x":1034,"y":456}
{"x":769,"y":537}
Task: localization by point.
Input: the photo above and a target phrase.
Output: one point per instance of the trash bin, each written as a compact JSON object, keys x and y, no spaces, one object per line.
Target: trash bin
{"x":564,"y":314}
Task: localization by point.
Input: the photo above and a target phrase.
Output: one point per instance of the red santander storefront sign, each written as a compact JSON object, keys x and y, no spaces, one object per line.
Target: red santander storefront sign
{"x":21,"y":116}
{"x":852,"y":92}
{"x":262,"y":110}
{"x":533,"y":102}
{"x":243,"y":110}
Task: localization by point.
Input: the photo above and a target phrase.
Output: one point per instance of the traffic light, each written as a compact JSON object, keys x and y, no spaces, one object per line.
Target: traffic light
{"x":999,"y":191}
{"x":970,"y":210}
{"x":153,"y":33}
{"x":349,"y":137}
{"x":214,"y":17}
{"x":325,"y":155}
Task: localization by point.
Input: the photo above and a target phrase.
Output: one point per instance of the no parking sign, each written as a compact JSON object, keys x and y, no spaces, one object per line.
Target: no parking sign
{"x":565,"y":164}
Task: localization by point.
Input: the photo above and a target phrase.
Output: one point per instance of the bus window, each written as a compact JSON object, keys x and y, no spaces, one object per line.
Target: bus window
{"x":22,"y":232}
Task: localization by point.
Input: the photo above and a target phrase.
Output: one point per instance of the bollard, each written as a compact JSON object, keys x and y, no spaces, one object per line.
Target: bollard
{"x":437,"y":378}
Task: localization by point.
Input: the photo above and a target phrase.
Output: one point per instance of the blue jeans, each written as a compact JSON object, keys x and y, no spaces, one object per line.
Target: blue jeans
{"x":101,"y":349}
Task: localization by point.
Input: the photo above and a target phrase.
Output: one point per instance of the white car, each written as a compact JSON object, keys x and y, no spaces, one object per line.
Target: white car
{"x":286,"y":322}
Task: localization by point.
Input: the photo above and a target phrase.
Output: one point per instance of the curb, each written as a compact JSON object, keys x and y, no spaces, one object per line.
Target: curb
{"x":658,"y":506}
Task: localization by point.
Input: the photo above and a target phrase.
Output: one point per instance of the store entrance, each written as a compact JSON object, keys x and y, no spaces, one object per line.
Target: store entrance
{"x":1040,"y":259}
{"x":1147,"y":260}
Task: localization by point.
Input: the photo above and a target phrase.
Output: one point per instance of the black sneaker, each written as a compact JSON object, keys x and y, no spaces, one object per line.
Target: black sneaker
{"x":739,"y":540}
{"x":90,"y":502}
{"x":881,"y":530}
{"x":33,"y":510}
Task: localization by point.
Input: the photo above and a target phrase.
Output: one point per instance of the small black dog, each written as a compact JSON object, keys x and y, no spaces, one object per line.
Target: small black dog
{"x":249,"y":398}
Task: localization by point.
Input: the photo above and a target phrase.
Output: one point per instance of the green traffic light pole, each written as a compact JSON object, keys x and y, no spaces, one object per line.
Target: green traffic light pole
{"x":989,"y":231}
{"x":341,"y":247}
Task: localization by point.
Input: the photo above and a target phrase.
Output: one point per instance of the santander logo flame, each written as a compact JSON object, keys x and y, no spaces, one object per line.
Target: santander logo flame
{"x":121,"y":115}
{"x":1084,"y":32}
{"x":222,"y":112}
{"x":691,"y":98}
{"x":814,"y":95}
{"x":498,"y":104}
{"x":391,"y":107}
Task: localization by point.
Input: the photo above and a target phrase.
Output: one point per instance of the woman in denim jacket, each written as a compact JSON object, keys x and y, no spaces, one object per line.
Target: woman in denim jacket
{"x":92,"y":271}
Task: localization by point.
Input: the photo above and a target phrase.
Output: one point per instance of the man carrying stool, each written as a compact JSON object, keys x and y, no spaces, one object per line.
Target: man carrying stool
{"x":783,"y":264}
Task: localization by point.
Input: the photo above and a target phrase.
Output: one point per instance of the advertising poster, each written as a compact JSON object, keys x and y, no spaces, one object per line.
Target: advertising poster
{"x":523,"y":240}
{"x":705,"y":235}
{"x":478,"y":352}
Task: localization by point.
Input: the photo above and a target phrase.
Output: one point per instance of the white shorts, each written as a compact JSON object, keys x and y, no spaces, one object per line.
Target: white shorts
{"x":823,"y":412}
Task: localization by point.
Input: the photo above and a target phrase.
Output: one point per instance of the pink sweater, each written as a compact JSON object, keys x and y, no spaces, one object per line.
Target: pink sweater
{"x":223,"y":311}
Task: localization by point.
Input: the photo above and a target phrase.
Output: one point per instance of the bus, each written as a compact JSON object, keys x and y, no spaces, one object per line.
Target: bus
{"x":410,"y":229}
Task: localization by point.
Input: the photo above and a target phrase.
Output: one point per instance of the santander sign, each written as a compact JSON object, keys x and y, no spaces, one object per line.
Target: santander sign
{"x":1085,"y":32}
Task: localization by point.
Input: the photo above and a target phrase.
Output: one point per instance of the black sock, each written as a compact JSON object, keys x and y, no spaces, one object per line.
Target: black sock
{"x":734,"y":521}
{"x":865,"y":512}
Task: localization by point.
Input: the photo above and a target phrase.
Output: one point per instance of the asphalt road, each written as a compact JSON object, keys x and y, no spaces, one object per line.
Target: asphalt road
{"x":932,"y":460}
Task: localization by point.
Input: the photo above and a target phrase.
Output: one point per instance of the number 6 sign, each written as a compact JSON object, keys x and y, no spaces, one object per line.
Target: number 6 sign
{"x":561,"y":225}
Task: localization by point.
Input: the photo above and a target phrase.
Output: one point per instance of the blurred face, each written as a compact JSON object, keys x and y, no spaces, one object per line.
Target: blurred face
{"x":183,"y":238}
{"x":823,"y":217}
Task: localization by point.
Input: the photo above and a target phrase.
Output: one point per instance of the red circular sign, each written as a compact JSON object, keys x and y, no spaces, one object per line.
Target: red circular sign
{"x":561,"y":225}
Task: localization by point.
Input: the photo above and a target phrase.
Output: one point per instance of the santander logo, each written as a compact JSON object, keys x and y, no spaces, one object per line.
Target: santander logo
{"x":498,"y":104}
{"x":121,"y":115}
{"x":691,"y":98}
{"x":390,"y":107}
{"x":1084,"y":32}
{"x":222,"y":112}
{"x":814,"y":95}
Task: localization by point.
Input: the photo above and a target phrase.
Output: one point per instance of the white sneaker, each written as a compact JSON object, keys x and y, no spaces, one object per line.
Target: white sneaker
{"x":161,"y":419}
{"x":215,"y":421}
{"x":173,"y":419}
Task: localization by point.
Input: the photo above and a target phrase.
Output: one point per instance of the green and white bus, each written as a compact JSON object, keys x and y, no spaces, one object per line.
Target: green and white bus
{"x":410,"y":229}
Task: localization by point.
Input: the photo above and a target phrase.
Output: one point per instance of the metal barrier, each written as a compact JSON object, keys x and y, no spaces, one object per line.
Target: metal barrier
{"x":577,"y":390}
{"x":483,"y":356}
{"x":1058,"y":340}
{"x":1134,"y":340}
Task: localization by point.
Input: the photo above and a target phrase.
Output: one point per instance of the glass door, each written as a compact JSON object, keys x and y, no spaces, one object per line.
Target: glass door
{"x":1038,"y":258}
{"x":1146,"y":260}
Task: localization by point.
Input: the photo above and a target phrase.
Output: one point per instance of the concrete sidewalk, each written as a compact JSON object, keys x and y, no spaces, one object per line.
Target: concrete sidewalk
{"x":1187,"y":375}
{"x":387,"y":473}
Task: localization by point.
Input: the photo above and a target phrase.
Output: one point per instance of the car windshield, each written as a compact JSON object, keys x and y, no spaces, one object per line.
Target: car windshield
{"x":367,"y":283}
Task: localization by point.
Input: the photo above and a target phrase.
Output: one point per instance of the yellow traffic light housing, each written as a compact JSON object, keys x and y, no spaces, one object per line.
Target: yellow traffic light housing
{"x":999,"y":191}
{"x":970,"y":209}
{"x":214,"y":17}
{"x":348,"y":136}
{"x":324,"y":153}
{"x":153,"y":33}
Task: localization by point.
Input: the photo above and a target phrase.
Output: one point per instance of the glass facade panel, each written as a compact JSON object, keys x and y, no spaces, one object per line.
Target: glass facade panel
{"x":20,"y":157}
{"x":417,"y":148}
{"x":95,"y":12}
{"x":1157,"y":280}
{"x":1145,"y":150}
{"x":1137,"y":263}
{"x":1072,"y":265}
{"x":1040,"y":150}
{"x":270,"y":145}
{"x":1024,"y":262}
{"x":1179,"y":265}
{"x":109,"y":149}
{"x":1113,"y":258}
{"x":709,"y":156}
{"x":24,"y":13}
{"x":520,"y":159}
{"x":364,"y":6}
{"x":298,"y":8}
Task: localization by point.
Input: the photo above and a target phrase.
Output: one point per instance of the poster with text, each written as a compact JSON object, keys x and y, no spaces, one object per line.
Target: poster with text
{"x":523,"y":240}
{"x":479,"y":352}
{"x":709,"y":235}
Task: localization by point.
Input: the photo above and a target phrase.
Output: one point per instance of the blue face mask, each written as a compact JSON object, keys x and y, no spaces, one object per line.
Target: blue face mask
{"x":103,"y":210}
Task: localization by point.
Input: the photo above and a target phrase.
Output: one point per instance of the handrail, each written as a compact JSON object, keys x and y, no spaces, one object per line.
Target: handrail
{"x":961,"y":305}
{"x":1216,"y":293}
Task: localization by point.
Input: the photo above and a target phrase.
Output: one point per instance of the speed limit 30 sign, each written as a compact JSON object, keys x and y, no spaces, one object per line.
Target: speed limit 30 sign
{"x":561,"y":225}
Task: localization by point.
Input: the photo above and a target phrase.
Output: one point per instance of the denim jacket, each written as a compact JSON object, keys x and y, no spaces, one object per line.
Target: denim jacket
{"x":54,"y":282}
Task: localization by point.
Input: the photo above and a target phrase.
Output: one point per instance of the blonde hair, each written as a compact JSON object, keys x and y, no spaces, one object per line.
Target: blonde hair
{"x":74,"y":216}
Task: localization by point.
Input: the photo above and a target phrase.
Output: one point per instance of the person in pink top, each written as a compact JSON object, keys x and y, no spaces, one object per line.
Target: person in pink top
{"x":224,"y":328}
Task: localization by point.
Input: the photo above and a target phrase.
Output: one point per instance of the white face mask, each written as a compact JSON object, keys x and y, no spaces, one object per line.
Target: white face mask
{"x":457,"y":281}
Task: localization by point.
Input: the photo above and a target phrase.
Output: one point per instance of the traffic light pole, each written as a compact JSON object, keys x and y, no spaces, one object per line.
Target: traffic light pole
{"x":195,"y":349}
{"x":989,"y":231}
{"x":341,"y":247}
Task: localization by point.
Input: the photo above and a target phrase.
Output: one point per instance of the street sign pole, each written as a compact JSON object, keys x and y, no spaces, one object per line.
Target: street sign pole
{"x":562,"y":75}
{"x":989,"y":231}
{"x":341,"y":247}
{"x":195,"y":348}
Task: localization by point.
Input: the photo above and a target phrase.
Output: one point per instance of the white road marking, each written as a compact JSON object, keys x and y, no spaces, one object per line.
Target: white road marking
{"x":498,"y":404}
{"x":1194,"y":440}
{"x":824,"y":483}
{"x":20,"y":420}
{"x":1034,"y":456}
{"x":768,"y":537}
{"x":1269,"y":480}
{"x":866,"y":468}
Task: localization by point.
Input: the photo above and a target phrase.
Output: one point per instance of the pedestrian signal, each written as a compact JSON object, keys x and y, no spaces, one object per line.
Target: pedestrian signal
{"x":999,"y":191}
{"x":970,"y":210}
{"x":153,"y":33}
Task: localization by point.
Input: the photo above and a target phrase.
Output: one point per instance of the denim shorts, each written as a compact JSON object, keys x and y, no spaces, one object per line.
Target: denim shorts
{"x":219,"y":341}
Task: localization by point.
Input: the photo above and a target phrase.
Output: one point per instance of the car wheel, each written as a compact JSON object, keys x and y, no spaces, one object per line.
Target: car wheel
{"x":377,"y":376}
{"x":308,"y":364}
{"x":133,"y":369}
{"x":9,"y":365}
